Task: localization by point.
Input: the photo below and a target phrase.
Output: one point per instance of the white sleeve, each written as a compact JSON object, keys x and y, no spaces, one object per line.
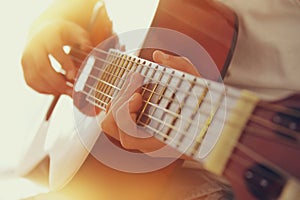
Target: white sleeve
{"x":266,"y":58}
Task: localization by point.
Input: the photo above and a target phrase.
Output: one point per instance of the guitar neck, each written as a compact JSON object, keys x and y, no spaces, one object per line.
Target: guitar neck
{"x":182,"y":110}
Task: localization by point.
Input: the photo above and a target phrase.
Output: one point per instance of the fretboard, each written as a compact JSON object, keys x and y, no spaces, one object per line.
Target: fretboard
{"x":182,"y":110}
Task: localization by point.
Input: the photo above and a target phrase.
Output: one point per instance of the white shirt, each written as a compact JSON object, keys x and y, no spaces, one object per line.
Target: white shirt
{"x":266,"y":59}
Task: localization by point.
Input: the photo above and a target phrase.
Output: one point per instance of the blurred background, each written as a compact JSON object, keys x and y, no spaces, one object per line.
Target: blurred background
{"x":22,"y":109}
{"x":19,"y":104}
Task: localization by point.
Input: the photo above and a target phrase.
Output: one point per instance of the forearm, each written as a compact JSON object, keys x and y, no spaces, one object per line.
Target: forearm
{"x":77,"y":11}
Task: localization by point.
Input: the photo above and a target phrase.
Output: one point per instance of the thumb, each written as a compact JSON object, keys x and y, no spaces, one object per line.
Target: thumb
{"x":176,"y":62}
{"x":125,"y":116}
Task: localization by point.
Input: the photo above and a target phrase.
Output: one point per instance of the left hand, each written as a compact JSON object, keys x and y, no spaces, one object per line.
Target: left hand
{"x":132,"y":100}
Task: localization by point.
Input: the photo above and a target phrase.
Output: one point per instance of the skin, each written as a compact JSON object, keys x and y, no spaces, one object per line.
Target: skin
{"x":60,"y":25}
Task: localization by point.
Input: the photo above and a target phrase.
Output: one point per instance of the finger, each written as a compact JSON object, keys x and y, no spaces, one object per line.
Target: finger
{"x":74,"y":35}
{"x":31,"y":75}
{"x":109,"y":126}
{"x":126,"y":121}
{"x":65,"y":61}
{"x":132,"y":83}
{"x":53,"y":79}
{"x":123,"y":117}
{"x":176,"y":62}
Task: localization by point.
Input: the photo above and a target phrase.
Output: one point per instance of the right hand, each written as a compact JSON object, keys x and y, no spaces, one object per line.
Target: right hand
{"x":49,"y":39}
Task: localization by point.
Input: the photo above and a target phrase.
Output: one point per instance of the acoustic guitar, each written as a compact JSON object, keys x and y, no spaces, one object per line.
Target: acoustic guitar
{"x":252,"y":143}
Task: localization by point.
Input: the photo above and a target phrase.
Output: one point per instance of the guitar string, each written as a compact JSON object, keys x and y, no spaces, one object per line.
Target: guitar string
{"x":191,"y":122}
{"x":169,"y":86}
{"x":145,"y":88}
{"x":150,"y":79}
{"x":255,"y":156}
{"x":278,"y":126}
{"x":183,"y":119}
{"x":275,"y":108}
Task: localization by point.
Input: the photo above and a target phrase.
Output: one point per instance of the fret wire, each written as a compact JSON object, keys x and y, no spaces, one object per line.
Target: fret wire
{"x":143,"y":93}
{"x":199,"y":103}
{"x":107,"y":67}
{"x":178,"y":109}
{"x":122,"y":70}
{"x":105,"y":94}
{"x":147,"y":84}
{"x":153,"y":93}
{"x":170,"y":86}
{"x":92,"y":102}
{"x":163,"y":109}
{"x":166,"y":110}
{"x":92,"y":88}
{"x":100,"y":84}
{"x":144,"y":88}
{"x":164,"y":135}
{"x":125,"y":72}
{"x":200,"y":85}
{"x":156,"y":131}
{"x":194,"y":113}
{"x":114,"y":70}
{"x":162,"y":95}
{"x":119,"y":73}
{"x":170,"y":103}
{"x":161,"y":121}
{"x":212,"y":89}
{"x":114,"y":67}
{"x":272,"y":108}
{"x":164,"y":87}
{"x":104,"y":82}
{"x":149,"y":98}
{"x":152,"y":104}
{"x":98,"y":103}
{"x":201,"y":100}
{"x":208,"y":122}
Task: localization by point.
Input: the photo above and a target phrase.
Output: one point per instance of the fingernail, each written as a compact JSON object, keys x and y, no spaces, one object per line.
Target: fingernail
{"x":163,"y":55}
{"x":133,"y":97}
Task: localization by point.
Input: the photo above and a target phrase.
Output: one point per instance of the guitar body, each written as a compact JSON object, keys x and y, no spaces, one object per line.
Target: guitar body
{"x":268,"y":153}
